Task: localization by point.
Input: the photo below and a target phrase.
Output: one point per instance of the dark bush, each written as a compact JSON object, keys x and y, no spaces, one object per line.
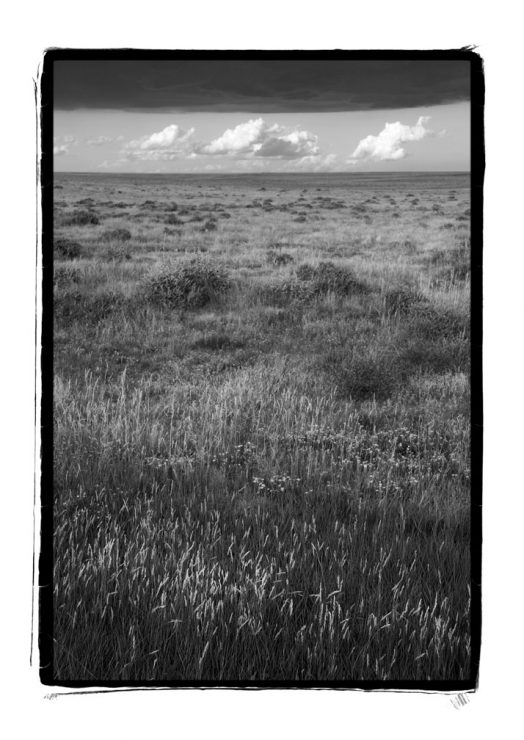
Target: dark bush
{"x":173,"y":220}
{"x":329,"y":277}
{"x":305,"y":272}
{"x":190,"y":285}
{"x":403,"y":300}
{"x":431,"y":324}
{"x":363,"y":378}
{"x":209,"y":226}
{"x":81,"y":218}
{"x":120,"y":235}
{"x":68,"y":249}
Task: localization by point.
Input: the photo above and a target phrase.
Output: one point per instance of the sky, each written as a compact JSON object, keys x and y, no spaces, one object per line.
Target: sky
{"x":261,"y":116}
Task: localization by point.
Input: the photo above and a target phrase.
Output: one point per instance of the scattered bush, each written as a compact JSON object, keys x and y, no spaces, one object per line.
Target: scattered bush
{"x":81,"y":218}
{"x":67,"y":249}
{"x":209,"y":226}
{"x":189,"y":285}
{"x":117,"y":235}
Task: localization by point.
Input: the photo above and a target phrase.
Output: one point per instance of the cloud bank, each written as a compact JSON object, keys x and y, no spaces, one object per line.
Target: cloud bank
{"x":260,"y":86}
{"x":387,"y":145}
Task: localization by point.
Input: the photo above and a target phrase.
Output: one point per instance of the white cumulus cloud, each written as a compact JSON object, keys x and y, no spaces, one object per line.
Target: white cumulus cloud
{"x":256,"y":138}
{"x":387,"y":145}
{"x":170,"y":143}
{"x":60,"y":149}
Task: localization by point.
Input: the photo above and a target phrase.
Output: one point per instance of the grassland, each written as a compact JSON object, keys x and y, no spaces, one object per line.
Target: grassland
{"x":261,"y":429}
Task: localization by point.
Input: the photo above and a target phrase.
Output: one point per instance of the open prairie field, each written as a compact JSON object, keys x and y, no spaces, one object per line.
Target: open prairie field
{"x":262,"y":428}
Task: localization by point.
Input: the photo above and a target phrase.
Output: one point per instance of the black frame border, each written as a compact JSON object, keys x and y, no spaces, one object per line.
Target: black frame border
{"x":477,"y":167}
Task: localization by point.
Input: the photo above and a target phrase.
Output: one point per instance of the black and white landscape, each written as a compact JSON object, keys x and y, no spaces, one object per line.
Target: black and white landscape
{"x":262,"y":351}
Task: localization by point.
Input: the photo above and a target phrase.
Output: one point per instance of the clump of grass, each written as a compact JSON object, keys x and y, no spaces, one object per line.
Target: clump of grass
{"x":209,"y":225}
{"x":67,"y":249}
{"x":116,"y":235}
{"x":64,"y":275}
{"x":189,"y":285}
{"x":81,"y":218}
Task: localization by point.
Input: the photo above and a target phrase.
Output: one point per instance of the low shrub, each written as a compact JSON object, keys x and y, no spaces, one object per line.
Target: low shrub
{"x":67,"y":249}
{"x":329,"y":277}
{"x":429,"y":324}
{"x":81,"y":218}
{"x":189,"y":285}
{"x":209,"y":226}
{"x":117,"y":235}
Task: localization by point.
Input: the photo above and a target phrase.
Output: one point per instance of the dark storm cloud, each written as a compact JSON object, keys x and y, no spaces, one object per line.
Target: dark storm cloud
{"x":262,"y":86}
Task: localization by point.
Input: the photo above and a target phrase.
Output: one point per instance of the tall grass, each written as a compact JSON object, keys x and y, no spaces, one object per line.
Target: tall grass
{"x":227,"y":534}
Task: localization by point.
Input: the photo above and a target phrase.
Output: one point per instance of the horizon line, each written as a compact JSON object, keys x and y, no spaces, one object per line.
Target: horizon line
{"x":270,"y":172}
